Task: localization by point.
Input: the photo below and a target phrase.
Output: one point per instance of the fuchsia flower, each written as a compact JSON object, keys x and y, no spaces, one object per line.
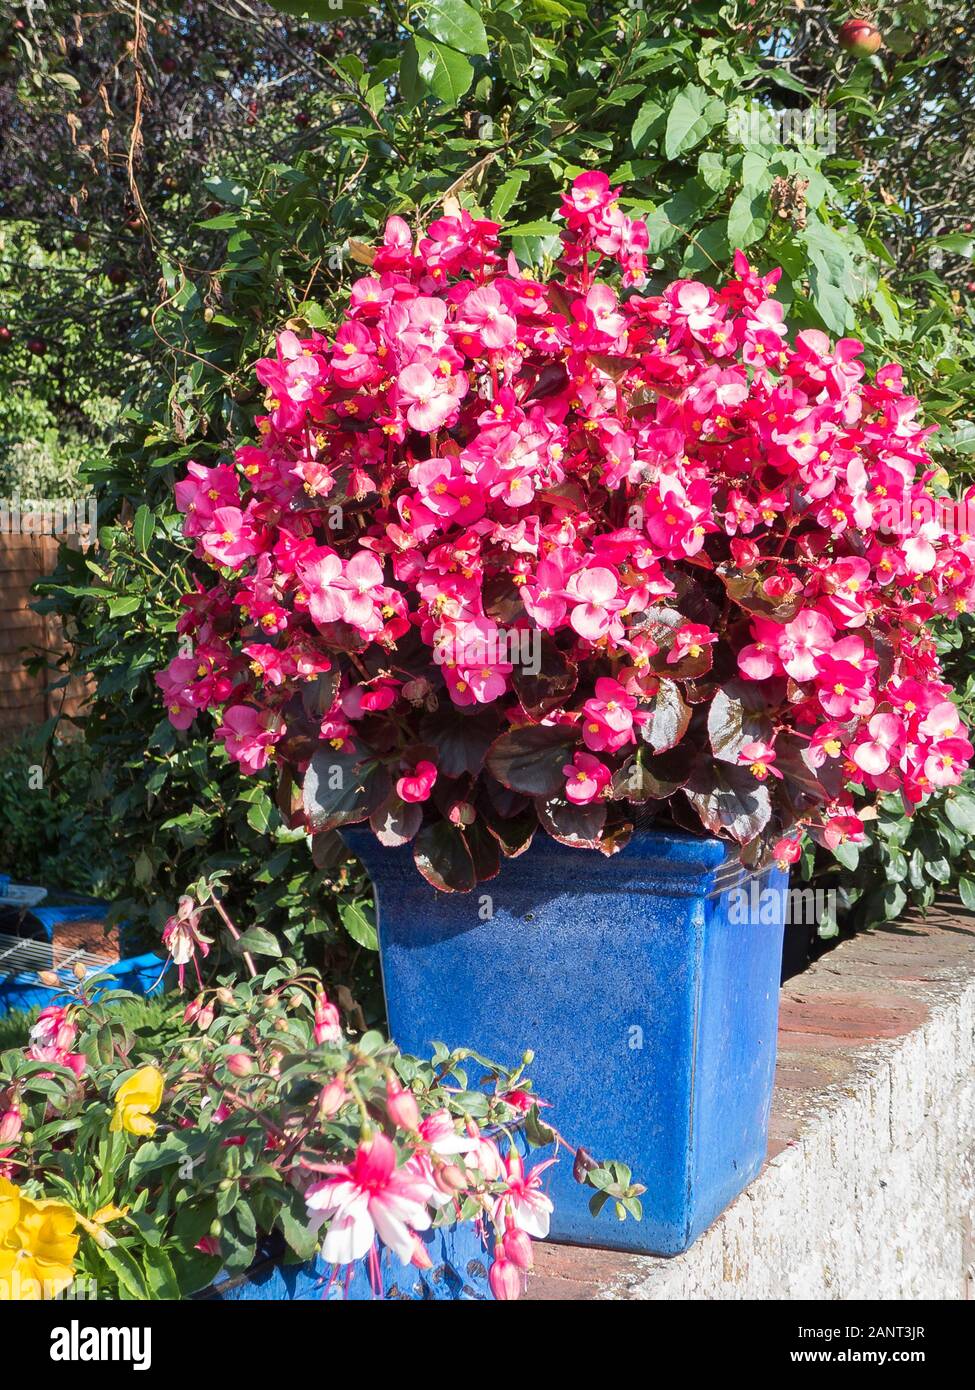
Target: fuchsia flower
{"x":530,"y":1209}
{"x":366,"y":1198}
{"x":184,"y":940}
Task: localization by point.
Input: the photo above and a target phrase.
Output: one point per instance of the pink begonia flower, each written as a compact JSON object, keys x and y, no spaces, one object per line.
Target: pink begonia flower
{"x":596,"y":592}
{"x":484,"y":314}
{"x":690,"y":640}
{"x":942,"y":721}
{"x":366,"y":1198}
{"x":249,"y":736}
{"x":429,"y":403}
{"x":841,"y":830}
{"x":418,"y":784}
{"x":787,"y":851}
{"x":176,"y":683}
{"x":805,"y":638}
{"x":947,"y":762}
{"x":323,"y":583}
{"x":607,"y":723}
{"x":759,"y":758}
{"x":882,"y":747}
{"x":231,"y":538}
{"x":585,"y":779}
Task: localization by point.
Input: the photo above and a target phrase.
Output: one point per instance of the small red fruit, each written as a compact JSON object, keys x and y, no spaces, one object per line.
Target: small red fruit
{"x":5,"y":333}
{"x":37,"y":346}
{"x":81,"y":241}
{"x":117,"y":274}
{"x":860,"y":37}
{"x":167,"y":65}
{"x":301,"y":119}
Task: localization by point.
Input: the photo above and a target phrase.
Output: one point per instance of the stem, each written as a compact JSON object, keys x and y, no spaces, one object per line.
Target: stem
{"x":248,"y":958}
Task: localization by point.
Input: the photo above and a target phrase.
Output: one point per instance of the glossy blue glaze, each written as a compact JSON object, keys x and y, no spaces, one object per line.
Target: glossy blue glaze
{"x":652,"y":1015}
{"x":458,"y":1272}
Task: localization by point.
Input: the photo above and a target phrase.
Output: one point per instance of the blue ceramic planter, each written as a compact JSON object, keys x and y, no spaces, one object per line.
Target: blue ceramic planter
{"x":647,"y":985}
{"x":458,"y":1273}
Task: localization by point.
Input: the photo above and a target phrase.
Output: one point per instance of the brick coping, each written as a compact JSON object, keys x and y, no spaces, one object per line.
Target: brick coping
{"x":838,"y":1021}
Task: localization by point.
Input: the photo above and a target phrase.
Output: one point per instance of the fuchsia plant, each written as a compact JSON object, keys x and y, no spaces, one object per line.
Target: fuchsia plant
{"x":519,"y":550}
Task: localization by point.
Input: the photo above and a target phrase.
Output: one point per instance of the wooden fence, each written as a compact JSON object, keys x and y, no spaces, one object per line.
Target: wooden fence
{"x":27,"y":699}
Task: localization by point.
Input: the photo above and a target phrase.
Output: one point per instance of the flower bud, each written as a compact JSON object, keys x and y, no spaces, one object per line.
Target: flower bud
{"x":204,"y":1018}
{"x":240,"y":1064}
{"x":518,"y":1248}
{"x":420,"y":1258}
{"x":79,"y":971}
{"x":11,"y":1123}
{"x":450,"y":1178}
{"x":225,"y":995}
{"x":49,"y":978}
{"x":192,"y":1010}
{"x":401,"y":1104}
{"x":504,"y":1280}
{"x":332,"y":1098}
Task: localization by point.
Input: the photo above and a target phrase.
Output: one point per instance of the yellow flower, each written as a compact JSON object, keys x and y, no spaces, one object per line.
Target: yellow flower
{"x":137,"y":1099}
{"x":109,"y":1213}
{"x":37,"y":1245}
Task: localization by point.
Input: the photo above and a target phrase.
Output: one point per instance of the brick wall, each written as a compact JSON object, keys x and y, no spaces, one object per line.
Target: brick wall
{"x":27,"y":699}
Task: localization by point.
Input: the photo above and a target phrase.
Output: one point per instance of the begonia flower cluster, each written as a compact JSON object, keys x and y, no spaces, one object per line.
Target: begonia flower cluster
{"x":516,"y":550}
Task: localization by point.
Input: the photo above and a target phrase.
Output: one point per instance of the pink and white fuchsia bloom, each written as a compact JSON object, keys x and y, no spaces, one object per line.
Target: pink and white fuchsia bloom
{"x":596,"y":547}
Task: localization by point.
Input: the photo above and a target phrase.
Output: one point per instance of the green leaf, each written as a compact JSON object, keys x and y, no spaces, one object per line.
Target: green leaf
{"x":960,"y":811}
{"x":507,"y":194}
{"x":143,"y":528}
{"x":444,"y":71}
{"x":160,"y":1277}
{"x":454,"y":23}
{"x":966,"y":890}
{"x":693,"y":113}
{"x":126,"y":1271}
{"x":747,"y":219}
{"x":259,"y":942}
{"x":360,"y":922}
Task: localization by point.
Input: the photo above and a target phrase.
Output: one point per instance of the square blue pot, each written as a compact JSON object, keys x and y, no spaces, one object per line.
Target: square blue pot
{"x":647,"y":985}
{"x":459,"y":1256}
